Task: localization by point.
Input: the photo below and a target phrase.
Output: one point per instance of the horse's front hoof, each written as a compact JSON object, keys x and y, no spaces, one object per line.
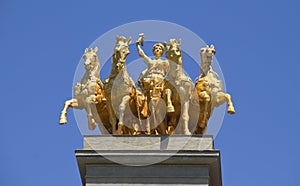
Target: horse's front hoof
{"x":119,"y":132}
{"x":135,"y":133}
{"x":170,"y":130}
{"x":63,"y":120}
{"x":120,"y":129}
{"x":187,"y":132}
{"x":91,"y":124}
{"x":148,"y":132}
{"x":230,"y":110}
{"x":170,"y":109}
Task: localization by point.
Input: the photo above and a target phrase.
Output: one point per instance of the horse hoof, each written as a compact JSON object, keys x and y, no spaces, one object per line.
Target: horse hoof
{"x":135,"y":133}
{"x":63,"y":120}
{"x":231,"y":110}
{"x":92,"y":126}
{"x":170,"y":130}
{"x":91,"y":123}
{"x":119,"y":132}
{"x":170,"y":109}
{"x":120,"y":129}
{"x":187,"y":132}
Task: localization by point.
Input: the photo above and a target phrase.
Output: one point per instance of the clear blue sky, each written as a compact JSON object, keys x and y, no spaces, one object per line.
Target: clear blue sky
{"x":257,"y":48}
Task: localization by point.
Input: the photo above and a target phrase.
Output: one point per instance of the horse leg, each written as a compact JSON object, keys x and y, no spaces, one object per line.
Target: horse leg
{"x":162,"y":127}
{"x":202,"y":122}
{"x":170,"y":130}
{"x":159,"y":124}
{"x":185,"y":92}
{"x":147,"y":103}
{"x":202,"y":130}
{"x":148,"y":127}
{"x":230,"y":107}
{"x":153,"y":108}
{"x":111,"y":115}
{"x":136,"y":129}
{"x":224,"y":97}
{"x":91,"y":120}
{"x":63,"y":115}
{"x":171,"y":124}
{"x":185,"y":118}
{"x":122,"y":107}
{"x":170,"y":107}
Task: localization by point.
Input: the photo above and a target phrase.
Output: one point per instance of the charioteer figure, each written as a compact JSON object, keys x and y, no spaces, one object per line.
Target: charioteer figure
{"x":152,"y":80}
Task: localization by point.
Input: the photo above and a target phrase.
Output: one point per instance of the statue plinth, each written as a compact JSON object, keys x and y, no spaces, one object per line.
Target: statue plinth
{"x":196,"y":163}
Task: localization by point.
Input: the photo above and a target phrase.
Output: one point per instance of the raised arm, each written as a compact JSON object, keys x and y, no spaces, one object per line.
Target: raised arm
{"x":142,"y":54}
{"x":140,"y":50}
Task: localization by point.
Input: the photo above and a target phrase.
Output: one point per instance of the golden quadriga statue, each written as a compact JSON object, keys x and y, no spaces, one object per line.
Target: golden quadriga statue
{"x":119,"y":107}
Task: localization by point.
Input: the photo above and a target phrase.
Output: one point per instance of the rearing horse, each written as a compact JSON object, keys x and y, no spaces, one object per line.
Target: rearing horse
{"x":88,"y":92}
{"x":119,"y":86}
{"x":181,"y":86}
{"x":209,"y":90}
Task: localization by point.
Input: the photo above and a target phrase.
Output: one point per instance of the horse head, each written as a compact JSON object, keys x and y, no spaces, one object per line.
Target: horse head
{"x":121,"y":51}
{"x":207,"y":54}
{"x":173,"y":51}
{"x":208,"y":51}
{"x":91,"y":60}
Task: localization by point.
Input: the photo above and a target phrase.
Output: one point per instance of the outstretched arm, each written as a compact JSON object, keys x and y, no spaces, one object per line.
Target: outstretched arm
{"x":142,"y":54}
{"x":140,"y":50}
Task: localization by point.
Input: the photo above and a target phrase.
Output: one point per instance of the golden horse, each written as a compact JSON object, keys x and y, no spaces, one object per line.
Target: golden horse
{"x":88,"y":93}
{"x":209,"y":90}
{"x":181,"y":87}
{"x":122,"y":96}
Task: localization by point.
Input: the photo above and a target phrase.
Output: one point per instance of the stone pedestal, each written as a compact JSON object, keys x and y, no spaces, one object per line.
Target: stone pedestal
{"x":149,"y":160}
